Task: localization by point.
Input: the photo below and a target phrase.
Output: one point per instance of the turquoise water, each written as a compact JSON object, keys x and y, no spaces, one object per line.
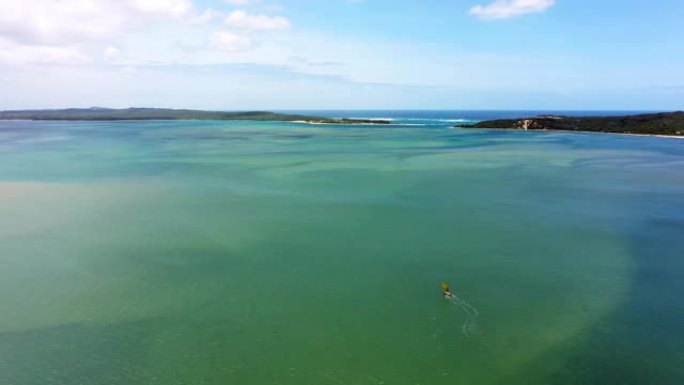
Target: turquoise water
{"x":278,"y":253}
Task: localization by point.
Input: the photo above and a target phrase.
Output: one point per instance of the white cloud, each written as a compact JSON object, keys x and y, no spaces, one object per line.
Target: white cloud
{"x":13,"y":54}
{"x":504,"y":9}
{"x":70,"y":31}
{"x":61,"y":22}
{"x":112,"y":53}
{"x":238,"y":2}
{"x":205,"y":17}
{"x":162,"y":8}
{"x":230,"y":42}
{"x":243,"y":21}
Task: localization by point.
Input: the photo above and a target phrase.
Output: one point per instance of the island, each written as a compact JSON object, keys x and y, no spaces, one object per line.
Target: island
{"x":108,"y":114}
{"x":664,"y":124}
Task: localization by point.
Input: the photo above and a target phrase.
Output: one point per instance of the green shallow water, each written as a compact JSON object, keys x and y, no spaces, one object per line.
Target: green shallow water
{"x":272,"y":253}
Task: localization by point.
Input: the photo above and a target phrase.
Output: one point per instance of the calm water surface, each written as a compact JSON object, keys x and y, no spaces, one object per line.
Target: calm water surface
{"x":276,"y":253}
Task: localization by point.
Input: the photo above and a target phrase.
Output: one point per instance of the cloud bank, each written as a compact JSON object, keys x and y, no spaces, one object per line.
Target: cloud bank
{"x":244,"y":21}
{"x":66,"y":32}
{"x":59,"y":22}
{"x":505,"y":9}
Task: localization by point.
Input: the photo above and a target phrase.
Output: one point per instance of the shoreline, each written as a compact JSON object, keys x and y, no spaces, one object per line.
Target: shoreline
{"x":197,"y":120}
{"x":662,"y":124}
{"x":167,"y":114}
{"x":572,"y":131}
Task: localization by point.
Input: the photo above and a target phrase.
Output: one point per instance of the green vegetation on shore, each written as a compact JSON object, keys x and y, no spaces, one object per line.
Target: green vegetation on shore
{"x":106,"y":114}
{"x":667,"y":123}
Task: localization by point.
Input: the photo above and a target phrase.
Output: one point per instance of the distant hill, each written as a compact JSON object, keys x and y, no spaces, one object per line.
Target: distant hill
{"x":666,"y":123}
{"x":104,"y":114}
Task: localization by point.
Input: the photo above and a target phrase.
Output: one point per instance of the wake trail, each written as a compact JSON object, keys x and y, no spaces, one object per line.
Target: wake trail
{"x":471,"y":315}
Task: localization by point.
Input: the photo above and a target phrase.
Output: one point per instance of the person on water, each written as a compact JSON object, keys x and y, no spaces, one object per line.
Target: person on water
{"x":447,"y":292}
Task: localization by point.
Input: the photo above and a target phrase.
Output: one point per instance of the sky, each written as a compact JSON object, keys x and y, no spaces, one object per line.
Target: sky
{"x":343,"y":54}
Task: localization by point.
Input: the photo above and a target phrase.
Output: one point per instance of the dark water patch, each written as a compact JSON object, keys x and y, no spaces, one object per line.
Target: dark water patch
{"x":640,"y":341}
{"x":295,"y":136}
{"x":616,"y":142}
{"x":76,"y":354}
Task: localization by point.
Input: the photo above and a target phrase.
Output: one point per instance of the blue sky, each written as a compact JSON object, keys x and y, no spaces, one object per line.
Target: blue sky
{"x":306,"y":54}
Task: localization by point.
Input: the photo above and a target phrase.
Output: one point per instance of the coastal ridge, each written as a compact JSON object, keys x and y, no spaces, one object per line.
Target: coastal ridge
{"x":664,"y":124}
{"x":111,"y":114}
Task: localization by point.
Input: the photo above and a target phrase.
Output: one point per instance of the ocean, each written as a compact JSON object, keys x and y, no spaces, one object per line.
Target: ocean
{"x":216,"y":252}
